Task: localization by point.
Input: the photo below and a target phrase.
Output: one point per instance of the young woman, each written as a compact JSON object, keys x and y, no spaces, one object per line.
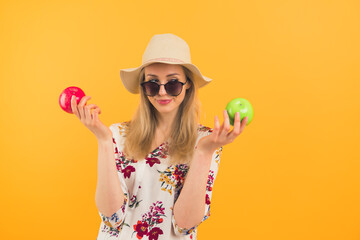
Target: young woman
{"x":156,"y":172}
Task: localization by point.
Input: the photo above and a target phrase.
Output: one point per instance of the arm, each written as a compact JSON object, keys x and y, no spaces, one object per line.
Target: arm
{"x":189,"y":207}
{"x":109,"y":196}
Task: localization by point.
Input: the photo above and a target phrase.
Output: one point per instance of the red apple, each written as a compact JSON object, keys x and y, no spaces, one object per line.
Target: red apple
{"x":65,"y":97}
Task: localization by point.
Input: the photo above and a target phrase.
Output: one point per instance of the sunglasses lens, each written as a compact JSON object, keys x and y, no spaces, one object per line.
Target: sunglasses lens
{"x":151,"y":88}
{"x":173,"y":88}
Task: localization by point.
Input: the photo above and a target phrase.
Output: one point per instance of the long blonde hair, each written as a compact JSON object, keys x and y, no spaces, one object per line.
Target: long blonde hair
{"x":140,"y":131}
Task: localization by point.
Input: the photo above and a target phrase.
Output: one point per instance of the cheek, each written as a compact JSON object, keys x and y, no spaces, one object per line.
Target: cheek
{"x":152,"y":101}
{"x":180,"y":98}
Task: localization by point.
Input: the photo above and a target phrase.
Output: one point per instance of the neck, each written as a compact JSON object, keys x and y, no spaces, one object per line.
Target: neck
{"x":165,"y":122}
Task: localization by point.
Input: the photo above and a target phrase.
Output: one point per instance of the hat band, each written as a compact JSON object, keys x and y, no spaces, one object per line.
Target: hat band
{"x":164,"y":59}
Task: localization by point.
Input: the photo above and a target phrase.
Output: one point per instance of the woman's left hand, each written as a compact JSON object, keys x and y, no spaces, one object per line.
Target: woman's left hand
{"x":221,"y":135}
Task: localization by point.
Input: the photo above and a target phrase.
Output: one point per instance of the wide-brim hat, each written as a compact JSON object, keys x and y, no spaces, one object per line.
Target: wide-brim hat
{"x":163,"y":48}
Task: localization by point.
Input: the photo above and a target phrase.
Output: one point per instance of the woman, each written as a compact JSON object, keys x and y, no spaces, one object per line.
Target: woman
{"x":159,"y":183}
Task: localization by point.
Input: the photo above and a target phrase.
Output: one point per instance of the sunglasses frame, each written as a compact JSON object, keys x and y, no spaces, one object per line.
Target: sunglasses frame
{"x":159,"y":85}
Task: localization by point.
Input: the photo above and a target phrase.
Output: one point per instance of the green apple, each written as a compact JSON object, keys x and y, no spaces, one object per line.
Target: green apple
{"x":239,"y":105}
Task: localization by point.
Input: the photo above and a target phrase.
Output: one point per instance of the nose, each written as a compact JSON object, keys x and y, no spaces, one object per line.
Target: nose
{"x":162,"y":90}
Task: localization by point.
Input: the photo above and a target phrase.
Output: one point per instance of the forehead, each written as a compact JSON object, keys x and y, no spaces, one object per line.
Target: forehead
{"x":163,"y":69}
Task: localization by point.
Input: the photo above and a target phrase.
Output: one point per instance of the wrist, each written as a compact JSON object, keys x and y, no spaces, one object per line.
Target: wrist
{"x":204,"y":151}
{"x":104,"y":140}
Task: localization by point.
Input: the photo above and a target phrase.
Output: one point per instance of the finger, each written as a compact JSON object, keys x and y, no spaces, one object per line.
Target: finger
{"x":74,"y":106}
{"x":216,"y":126}
{"x":243,"y":123}
{"x":226,"y":128}
{"x":236,"y":130}
{"x":81,"y":106}
{"x":221,"y":126}
{"x":87,"y":110}
{"x":97,"y":110}
{"x":96,"y":116}
{"x":84,"y":100}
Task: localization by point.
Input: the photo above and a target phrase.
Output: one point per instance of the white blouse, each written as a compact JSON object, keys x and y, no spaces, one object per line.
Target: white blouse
{"x":151,"y":187}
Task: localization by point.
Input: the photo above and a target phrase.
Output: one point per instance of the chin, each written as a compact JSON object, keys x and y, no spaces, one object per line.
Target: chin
{"x":165,"y":110}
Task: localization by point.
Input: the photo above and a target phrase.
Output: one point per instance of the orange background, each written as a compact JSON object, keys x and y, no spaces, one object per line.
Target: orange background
{"x":292,"y":174}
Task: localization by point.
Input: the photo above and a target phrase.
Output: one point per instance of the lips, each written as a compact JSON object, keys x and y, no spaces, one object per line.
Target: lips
{"x":164,"y":101}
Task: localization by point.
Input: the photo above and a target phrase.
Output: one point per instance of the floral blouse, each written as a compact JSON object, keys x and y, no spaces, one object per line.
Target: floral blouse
{"x":151,"y":188}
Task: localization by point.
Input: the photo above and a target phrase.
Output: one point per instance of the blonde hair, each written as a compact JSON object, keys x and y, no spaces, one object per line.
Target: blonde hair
{"x":140,"y":131}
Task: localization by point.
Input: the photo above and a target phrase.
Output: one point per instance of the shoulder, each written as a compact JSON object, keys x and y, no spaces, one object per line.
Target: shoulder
{"x":204,"y":130}
{"x":118,"y":129}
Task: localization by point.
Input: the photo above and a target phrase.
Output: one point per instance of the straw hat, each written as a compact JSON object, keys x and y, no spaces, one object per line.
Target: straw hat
{"x":164,"y":48}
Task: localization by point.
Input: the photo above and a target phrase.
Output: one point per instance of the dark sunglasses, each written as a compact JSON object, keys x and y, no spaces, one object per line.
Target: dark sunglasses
{"x":173,"y":88}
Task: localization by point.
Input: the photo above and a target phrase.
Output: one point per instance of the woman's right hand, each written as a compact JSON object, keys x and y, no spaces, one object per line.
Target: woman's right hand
{"x":91,"y":121}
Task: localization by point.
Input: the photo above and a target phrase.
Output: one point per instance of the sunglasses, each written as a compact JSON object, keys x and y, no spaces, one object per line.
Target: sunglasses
{"x":173,"y":88}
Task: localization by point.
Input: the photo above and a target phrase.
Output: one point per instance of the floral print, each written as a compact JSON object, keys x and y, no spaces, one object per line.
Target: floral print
{"x":152,"y":161}
{"x":209,"y":185}
{"x":173,"y":177}
{"x":113,"y":225}
{"x":151,"y":187}
{"x":149,"y":220}
{"x":134,"y":202}
{"x":127,"y":171}
{"x":161,"y":151}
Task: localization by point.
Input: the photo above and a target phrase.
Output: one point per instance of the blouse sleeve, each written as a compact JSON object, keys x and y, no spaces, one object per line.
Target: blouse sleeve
{"x":214,"y":167}
{"x":115,"y":220}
